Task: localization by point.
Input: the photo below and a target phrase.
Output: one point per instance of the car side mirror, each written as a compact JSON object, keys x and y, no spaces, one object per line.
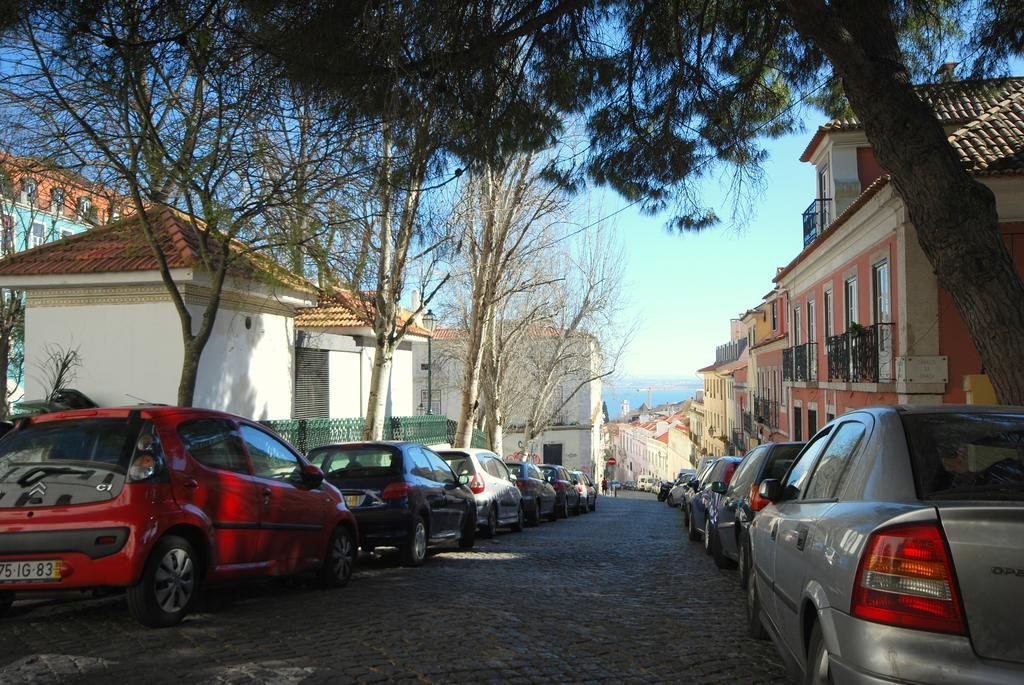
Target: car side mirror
{"x":464,"y":479}
{"x":312,"y":476}
{"x":771,"y":489}
{"x":693,"y":484}
{"x":719,"y":487}
{"x":512,"y":478}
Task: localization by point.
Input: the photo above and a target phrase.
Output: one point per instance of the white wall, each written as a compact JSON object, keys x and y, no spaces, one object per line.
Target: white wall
{"x":126,"y":350}
{"x":345,"y":380}
{"x":400,"y":400}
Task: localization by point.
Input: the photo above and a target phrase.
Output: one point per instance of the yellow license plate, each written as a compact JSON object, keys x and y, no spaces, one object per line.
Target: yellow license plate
{"x":30,"y":571}
{"x":353,"y":500}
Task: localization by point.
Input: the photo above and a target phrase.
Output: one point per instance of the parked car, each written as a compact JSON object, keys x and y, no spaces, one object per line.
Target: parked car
{"x":629,"y":485}
{"x":498,"y":500}
{"x":538,"y":495}
{"x":693,"y":486}
{"x":587,"y":489}
{"x":567,"y":498}
{"x":160,"y":501}
{"x":663,"y":489}
{"x":678,"y":489}
{"x":730,"y":542}
{"x":614,"y":485}
{"x":707,"y":499}
{"x":643,"y":483}
{"x":403,"y":494}
{"x":893,"y":548}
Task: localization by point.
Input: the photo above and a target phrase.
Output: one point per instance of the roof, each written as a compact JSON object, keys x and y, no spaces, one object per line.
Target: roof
{"x":345,"y":309}
{"x":954,"y":102}
{"x":122,"y":246}
{"x":994,"y":142}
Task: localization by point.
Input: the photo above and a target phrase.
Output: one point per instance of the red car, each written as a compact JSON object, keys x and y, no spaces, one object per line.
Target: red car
{"x":160,"y":501}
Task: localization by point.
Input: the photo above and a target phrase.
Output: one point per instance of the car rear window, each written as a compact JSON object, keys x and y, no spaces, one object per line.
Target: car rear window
{"x":101,"y":442}
{"x":460,"y":463}
{"x":967,"y":455}
{"x":549,"y":471}
{"x":357,"y":461}
{"x":515,"y":469}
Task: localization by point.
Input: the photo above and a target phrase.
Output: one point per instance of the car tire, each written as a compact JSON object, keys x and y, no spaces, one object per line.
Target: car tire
{"x":577,"y":510}
{"x":743,"y":551}
{"x":517,"y":527}
{"x":564,"y":514}
{"x":468,"y":538}
{"x":553,"y":516}
{"x":339,"y":560}
{"x":6,"y":601}
{"x":721,"y":561}
{"x":817,"y":671}
{"x":706,"y":536}
{"x":533,"y":516}
{"x":691,"y":531}
{"x":755,"y":628}
{"x":490,"y":528}
{"x":414,"y":551}
{"x":169,"y":584}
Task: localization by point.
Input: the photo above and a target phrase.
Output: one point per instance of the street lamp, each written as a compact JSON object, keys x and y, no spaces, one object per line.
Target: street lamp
{"x":429,"y":322}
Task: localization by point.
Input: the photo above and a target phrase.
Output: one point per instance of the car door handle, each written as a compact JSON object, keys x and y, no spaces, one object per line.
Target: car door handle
{"x":801,"y":537}
{"x":191,"y":484}
{"x":267,"y":492}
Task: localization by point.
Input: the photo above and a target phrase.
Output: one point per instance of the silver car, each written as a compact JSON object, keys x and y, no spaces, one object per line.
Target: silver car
{"x":498,"y":500}
{"x":893,"y":550}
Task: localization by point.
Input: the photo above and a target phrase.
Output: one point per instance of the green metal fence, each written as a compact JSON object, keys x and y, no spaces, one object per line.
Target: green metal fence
{"x":308,"y":434}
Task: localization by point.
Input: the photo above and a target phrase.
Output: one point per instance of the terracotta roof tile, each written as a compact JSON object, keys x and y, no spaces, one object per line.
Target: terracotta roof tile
{"x":954,"y":102}
{"x":994,"y":142}
{"x":346,"y":310}
{"x":122,"y":246}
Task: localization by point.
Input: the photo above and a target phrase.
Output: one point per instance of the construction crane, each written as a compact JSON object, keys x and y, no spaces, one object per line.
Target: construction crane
{"x":651,"y":388}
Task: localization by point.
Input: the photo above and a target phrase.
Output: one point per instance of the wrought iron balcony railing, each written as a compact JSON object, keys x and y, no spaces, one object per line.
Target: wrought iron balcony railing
{"x":863,"y":354}
{"x":766,"y":412}
{"x":800,"y":363}
{"x":817,"y":217}
{"x":748,"y":422}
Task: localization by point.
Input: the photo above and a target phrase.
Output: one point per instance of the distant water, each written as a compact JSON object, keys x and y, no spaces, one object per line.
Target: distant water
{"x":614,"y":396}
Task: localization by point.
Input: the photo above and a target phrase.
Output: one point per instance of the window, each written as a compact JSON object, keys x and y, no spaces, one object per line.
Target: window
{"x":812,"y":421}
{"x":747,"y":472}
{"x":85,"y":208}
{"x":421,"y":466}
{"x":442,"y":472}
{"x":57,"y":201}
{"x":810,"y":322}
{"x":850,"y":291}
{"x":214,"y":443}
{"x":270,"y":458}
{"x":66,"y":233}
{"x":357,"y":461}
{"x":29,"y":191}
{"x":880,"y":284}
{"x":796,"y":325}
{"x":827,"y":313}
{"x":825,"y":480}
{"x":798,"y":427}
{"x":435,"y":404}
{"x":775,"y":317}
{"x":38,"y":234}
{"x":794,"y":482}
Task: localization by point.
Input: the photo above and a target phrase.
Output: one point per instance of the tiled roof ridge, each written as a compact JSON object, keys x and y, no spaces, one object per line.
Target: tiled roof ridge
{"x":986,"y":116}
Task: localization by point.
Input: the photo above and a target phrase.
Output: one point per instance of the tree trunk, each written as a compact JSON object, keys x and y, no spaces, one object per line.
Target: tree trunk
{"x":189,"y":374}
{"x":5,"y":362}
{"x":376,"y":405}
{"x":954,"y":215}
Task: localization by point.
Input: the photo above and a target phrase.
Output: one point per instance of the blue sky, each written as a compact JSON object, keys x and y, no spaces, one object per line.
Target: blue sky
{"x":685,"y":288}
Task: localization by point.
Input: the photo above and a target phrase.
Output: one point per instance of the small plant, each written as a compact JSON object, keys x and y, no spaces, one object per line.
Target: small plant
{"x":856,"y":329}
{"x":59,"y":369}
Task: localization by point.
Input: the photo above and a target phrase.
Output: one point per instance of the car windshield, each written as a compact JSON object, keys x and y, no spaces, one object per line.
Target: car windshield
{"x":515,"y":469}
{"x":68,"y":447}
{"x":357,"y":461}
{"x":967,"y":455}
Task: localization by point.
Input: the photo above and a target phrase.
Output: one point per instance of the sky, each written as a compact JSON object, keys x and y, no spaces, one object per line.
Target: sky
{"x":684,"y":288}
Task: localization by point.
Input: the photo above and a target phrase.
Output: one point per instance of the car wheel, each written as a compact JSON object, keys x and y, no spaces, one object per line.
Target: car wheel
{"x":414,"y":551}
{"x":517,"y":527}
{"x":339,"y":560}
{"x":721,"y":561}
{"x":553,"y":516}
{"x":163,"y":595}
{"x":755,"y":628}
{"x":491,"y":527}
{"x":818,"y":672}
{"x":691,"y":530}
{"x":707,"y":536}
{"x":533,"y":516}
{"x":744,"y":563}
{"x":565,"y":509}
{"x":468,"y":538}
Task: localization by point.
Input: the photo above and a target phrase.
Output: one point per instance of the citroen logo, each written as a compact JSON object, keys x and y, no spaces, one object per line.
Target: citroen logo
{"x":38,"y":490}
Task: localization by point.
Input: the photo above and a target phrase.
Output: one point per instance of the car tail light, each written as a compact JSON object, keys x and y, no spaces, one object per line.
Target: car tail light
{"x":520,"y":483}
{"x":905,"y":579}
{"x":757,"y":503}
{"x":396,"y":490}
{"x":476,"y":484}
{"x":579,"y":488}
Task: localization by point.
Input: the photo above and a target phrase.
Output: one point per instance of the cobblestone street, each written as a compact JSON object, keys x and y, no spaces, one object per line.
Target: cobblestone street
{"x":618,"y":595}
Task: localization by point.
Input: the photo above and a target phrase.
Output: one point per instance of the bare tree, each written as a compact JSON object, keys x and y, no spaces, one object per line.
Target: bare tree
{"x":503,"y":216}
{"x":165,"y":102}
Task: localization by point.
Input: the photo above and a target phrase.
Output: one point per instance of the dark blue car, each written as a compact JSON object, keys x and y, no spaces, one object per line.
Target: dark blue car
{"x":707,"y":499}
{"x":403,"y":495}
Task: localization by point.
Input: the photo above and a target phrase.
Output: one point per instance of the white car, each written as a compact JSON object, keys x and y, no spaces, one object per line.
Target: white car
{"x":675,"y":495}
{"x":643,"y":483}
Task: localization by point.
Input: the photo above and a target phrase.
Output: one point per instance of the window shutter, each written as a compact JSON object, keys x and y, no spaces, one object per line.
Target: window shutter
{"x":312,"y":384}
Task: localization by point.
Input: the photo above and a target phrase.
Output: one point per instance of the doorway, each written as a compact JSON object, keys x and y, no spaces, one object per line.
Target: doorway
{"x":553,"y":454}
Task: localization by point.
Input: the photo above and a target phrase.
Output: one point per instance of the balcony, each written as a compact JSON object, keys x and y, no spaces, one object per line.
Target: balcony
{"x":766,"y":412}
{"x":817,"y":217}
{"x":862,"y":355}
{"x":800,"y":363}
{"x":748,"y":422}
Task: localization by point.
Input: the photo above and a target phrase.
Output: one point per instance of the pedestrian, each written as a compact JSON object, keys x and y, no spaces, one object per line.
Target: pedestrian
{"x":604,"y":485}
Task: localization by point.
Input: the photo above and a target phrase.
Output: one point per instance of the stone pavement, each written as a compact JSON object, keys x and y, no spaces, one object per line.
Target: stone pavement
{"x":618,"y":595}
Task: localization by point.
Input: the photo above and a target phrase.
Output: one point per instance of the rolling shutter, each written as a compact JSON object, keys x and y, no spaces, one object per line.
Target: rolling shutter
{"x":312,"y":384}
